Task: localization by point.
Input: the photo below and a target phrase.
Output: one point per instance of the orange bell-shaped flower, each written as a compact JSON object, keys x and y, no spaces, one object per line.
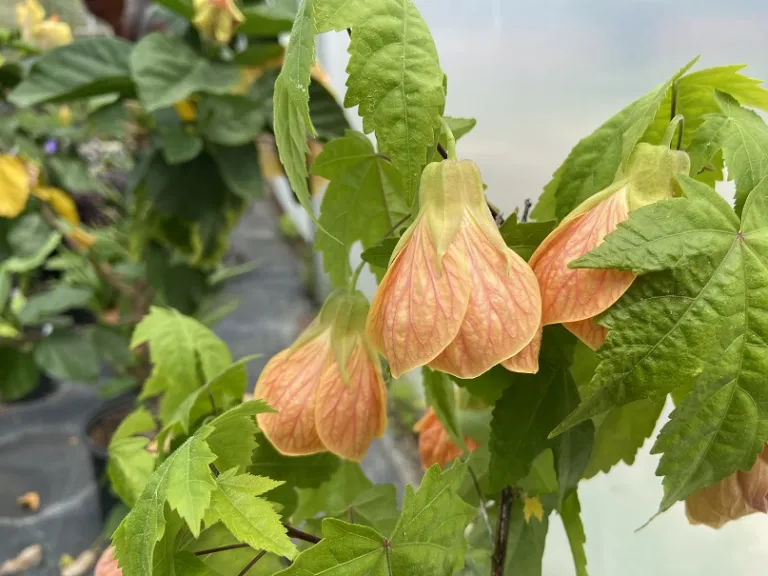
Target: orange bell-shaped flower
{"x":574,"y":297}
{"x":454,"y":297}
{"x":435,"y":445}
{"x":327,"y":387}
{"x":107,"y":564}
{"x":737,"y":495}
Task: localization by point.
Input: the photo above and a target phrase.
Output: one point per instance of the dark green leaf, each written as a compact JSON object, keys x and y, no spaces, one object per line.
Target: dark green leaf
{"x":379,"y":254}
{"x":166,"y":70}
{"x":61,"y":298}
{"x":87,"y":67}
{"x":19,"y":375}
{"x":326,"y":113}
{"x":525,"y":546}
{"x":70,"y":355}
{"x":230,"y":120}
{"x":268,"y":19}
{"x":179,"y":145}
{"x":524,"y":237}
{"x":31,"y":241}
{"x":489,"y":386}
{"x":570,"y":511}
{"x":298,"y":471}
{"x":438,"y":390}
{"x":258,"y":53}
{"x":239,"y":168}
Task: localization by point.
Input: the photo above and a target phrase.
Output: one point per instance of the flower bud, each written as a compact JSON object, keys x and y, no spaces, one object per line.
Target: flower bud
{"x":52,"y":33}
{"x":455,"y":297}
{"x":217,"y":19}
{"x":327,"y":387}
{"x":737,"y":495}
{"x":574,"y":297}
{"x":435,"y":445}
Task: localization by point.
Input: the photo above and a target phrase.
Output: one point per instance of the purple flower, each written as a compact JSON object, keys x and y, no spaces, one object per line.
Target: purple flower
{"x":51,"y":146}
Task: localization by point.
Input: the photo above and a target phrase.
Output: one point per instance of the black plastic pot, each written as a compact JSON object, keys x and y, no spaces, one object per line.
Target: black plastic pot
{"x":46,"y":387}
{"x":98,"y":432}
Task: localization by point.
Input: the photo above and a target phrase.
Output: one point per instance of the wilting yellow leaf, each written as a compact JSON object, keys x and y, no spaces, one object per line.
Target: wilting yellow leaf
{"x":14,"y":186}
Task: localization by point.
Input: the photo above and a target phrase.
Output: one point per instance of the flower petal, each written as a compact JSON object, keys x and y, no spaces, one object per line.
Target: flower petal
{"x":588,"y":332}
{"x":417,"y":310}
{"x":14,"y":186}
{"x":289,"y":383}
{"x":435,"y":445}
{"x":504,"y":310}
{"x":527,"y":360}
{"x":349,"y":416}
{"x":570,"y":295}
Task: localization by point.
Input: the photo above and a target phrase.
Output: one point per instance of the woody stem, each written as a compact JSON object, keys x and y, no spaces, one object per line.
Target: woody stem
{"x":498,"y":560}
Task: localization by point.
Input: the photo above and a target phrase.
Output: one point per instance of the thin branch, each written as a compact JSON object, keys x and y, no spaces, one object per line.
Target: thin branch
{"x":300,"y":534}
{"x":526,"y":209}
{"x":507,"y":498}
{"x":250,"y":564}
{"x":442,"y":151}
{"x":396,"y":225}
{"x":221,"y":549}
{"x":483,"y":504}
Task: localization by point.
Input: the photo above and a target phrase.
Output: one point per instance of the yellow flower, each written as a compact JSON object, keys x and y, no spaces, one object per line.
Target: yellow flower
{"x":217,"y":19}
{"x":64,"y":114}
{"x":573,"y":296}
{"x":186,"y":110}
{"x":327,"y":387}
{"x":14,"y":186}
{"x":64,"y":206}
{"x":52,"y":33}
{"x":29,"y":15}
{"x":532,"y":508}
{"x":740,"y":494}
{"x":454,"y":297}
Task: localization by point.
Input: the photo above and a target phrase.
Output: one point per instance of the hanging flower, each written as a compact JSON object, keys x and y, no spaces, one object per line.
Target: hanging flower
{"x":14,"y":186}
{"x":217,"y":19}
{"x":454,"y":297}
{"x":574,"y":297}
{"x":35,"y":29}
{"x":107,"y":564}
{"x":738,"y":495}
{"x":29,"y":15}
{"x":327,"y":387}
{"x":435,"y":445}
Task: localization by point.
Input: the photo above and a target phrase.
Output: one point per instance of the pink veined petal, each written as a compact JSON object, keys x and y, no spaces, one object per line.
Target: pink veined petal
{"x":349,"y":416}
{"x":435,"y":445}
{"x":289,"y":384}
{"x":504,"y":310}
{"x":527,"y":360}
{"x":418,"y":309}
{"x":568,"y":294}
{"x":593,"y":335}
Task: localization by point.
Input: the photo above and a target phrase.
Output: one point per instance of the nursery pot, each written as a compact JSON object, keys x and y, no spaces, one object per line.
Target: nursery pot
{"x":99,"y":429}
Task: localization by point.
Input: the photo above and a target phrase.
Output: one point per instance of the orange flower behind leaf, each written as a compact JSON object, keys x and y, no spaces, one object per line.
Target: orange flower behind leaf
{"x":574,"y":296}
{"x":435,"y":445}
{"x":107,"y":564}
{"x":327,"y":387}
{"x":740,"y":494}
{"x":454,"y":297}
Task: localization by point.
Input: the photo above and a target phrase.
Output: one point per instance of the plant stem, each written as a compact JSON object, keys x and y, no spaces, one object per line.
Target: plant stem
{"x":396,"y":225}
{"x":451,"y":140}
{"x":666,"y":140}
{"x":483,"y":505}
{"x":499,"y":557}
{"x":526,"y":209}
{"x":220,"y":549}
{"x":356,"y":275}
{"x":250,"y":564}
{"x":300,"y":534}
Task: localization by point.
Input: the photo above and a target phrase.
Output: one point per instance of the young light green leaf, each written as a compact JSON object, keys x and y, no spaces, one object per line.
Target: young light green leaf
{"x":570,"y":512}
{"x":184,"y":469}
{"x":291,"y":103}
{"x":595,"y":161}
{"x":427,"y":539}
{"x":362,"y":202}
{"x":524,"y":237}
{"x":233,"y":438}
{"x":394,"y":78}
{"x":130,"y":463}
{"x":620,"y":434}
{"x":460,"y":126}
{"x":84,"y":68}
{"x":438,"y":390}
{"x":252,"y":520}
{"x":705,"y":289}
{"x":167,"y":70}
{"x":530,"y":407}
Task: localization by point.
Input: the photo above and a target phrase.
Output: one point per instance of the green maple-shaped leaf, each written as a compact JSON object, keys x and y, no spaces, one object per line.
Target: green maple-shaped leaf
{"x":595,"y":161}
{"x":427,"y":539}
{"x":233,"y":435}
{"x":185,"y":469}
{"x":251,"y":519}
{"x":363,"y":201}
{"x":178,"y":344}
{"x":394,"y":77}
{"x":570,"y":512}
{"x":697,"y":317}
{"x":335,"y":495}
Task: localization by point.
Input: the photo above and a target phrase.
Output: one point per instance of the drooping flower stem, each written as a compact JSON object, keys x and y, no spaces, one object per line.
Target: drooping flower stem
{"x":666,"y":140}
{"x":356,"y":275}
{"x":451,"y":140}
